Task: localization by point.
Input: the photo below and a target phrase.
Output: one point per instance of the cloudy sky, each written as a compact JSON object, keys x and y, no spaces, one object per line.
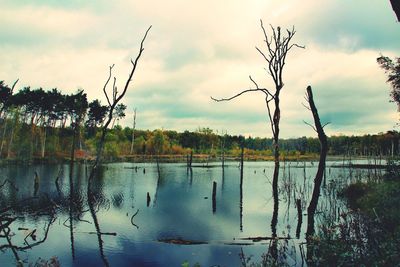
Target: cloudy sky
{"x":198,"y":49}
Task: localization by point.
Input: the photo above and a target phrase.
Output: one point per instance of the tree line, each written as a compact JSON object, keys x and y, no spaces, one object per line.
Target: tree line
{"x":38,"y":123}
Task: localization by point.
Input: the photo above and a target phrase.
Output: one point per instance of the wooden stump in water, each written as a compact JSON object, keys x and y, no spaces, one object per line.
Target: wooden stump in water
{"x":214,"y":201}
{"x":299,"y":218}
{"x":148,"y":199}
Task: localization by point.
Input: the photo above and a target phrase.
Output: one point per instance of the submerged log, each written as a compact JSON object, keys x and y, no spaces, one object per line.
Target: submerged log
{"x":179,"y":241}
{"x":264,"y":238}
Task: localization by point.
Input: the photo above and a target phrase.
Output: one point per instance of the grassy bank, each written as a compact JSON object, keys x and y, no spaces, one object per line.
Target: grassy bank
{"x":367,"y":235}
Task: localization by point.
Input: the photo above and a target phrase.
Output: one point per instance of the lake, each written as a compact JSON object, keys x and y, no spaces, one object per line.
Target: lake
{"x":137,"y":216}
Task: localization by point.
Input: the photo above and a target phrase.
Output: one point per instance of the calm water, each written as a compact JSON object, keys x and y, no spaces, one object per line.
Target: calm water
{"x":123,"y":227}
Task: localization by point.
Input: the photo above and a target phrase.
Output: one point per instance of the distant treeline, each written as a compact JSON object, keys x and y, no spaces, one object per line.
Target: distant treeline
{"x":37,"y":123}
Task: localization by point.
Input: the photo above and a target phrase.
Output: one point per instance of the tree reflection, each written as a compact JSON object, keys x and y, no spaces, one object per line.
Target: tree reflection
{"x":95,"y":200}
{"x":71,"y":204}
{"x":273,"y":247}
{"x":92,"y":202}
{"x":34,"y":207}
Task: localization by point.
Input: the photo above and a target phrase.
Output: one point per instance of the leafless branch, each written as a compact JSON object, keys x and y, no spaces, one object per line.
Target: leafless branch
{"x":309,"y":124}
{"x":114,"y":88}
{"x":262,"y":53}
{"x":271,"y":121}
{"x":46,"y":231}
{"x":134,"y":65}
{"x":251,"y":79}
{"x":296,"y":45}
{"x":305,"y":106}
{"x":323,"y":126}
{"x":106,"y":83}
{"x":133,"y":216}
{"x":13,"y":86}
{"x":239,"y":94}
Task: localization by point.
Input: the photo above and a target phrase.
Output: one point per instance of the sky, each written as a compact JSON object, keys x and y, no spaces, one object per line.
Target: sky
{"x":199,"y":49}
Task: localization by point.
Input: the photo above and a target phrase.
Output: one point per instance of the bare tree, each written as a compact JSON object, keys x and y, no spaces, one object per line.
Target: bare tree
{"x":112,"y":103}
{"x":133,"y":130}
{"x":319,"y":128}
{"x":396,"y":8}
{"x":278,"y":45}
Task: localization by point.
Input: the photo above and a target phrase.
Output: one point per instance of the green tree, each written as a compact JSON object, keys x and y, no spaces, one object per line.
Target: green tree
{"x":392,"y":68}
{"x":158,"y":142}
{"x":119,"y":113}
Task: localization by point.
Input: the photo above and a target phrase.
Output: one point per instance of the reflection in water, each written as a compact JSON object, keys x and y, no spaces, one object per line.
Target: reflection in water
{"x":190,"y":174}
{"x":273,"y":250}
{"x":36,"y":184}
{"x":117,"y":201}
{"x":299,"y":217}
{"x":96,"y":199}
{"x":241,"y":202}
{"x":160,"y":182}
{"x":71,"y":203}
{"x":91,"y":202}
{"x":36,"y":207}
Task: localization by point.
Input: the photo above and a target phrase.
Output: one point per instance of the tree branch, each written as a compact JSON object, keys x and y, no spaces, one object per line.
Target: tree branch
{"x":239,"y":94}
{"x":13,"y":86}
{"x":309,"y":124}
{"x":134,"y":63}
{"x":106,"y":83}
{"x":270,"y":116}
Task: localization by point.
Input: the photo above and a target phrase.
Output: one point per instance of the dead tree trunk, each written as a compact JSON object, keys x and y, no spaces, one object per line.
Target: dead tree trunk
{"x":396,"y":8}
{"x":214,"y":197}
{"x":321,"y":165}
{"x":223,"y":141}
{"x":299,"y":218}
{"x":241,"y":185}
{"x":72,"y":156}
{"x":71,"y":208}
{"x":133,"y":130}
{"x":241,"y":159}
{"x":112,"y":104}
{"x":277,"y":48}
{"x":189,"y":160}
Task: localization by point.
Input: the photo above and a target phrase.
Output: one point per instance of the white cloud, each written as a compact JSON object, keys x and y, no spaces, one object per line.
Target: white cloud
{"x":200,"y":49}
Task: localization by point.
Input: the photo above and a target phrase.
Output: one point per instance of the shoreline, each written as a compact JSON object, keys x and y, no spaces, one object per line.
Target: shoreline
{"x":197,"y":158}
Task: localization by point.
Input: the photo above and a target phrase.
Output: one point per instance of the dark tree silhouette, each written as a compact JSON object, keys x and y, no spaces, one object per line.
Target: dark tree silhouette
{"x":77,"y":109}
{"x":133,"y":131}
{"x":6,"y":94}
{"x":319,"y":128}
{"x":278,"y":45}
{"x":392,"y":68}
{"x":396,"y":8}
{"x":96,"y":116}
{"x":113,"y":101}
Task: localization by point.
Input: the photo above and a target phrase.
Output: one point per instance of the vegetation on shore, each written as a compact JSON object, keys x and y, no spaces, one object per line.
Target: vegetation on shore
{"x":369,"y":233}
{"x":35,"y":123}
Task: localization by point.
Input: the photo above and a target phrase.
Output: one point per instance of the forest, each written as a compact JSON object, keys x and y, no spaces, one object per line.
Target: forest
{"x":39,"y":123}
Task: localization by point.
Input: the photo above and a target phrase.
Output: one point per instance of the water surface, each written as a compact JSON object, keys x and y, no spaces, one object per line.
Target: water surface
{"x":137,"y":216}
